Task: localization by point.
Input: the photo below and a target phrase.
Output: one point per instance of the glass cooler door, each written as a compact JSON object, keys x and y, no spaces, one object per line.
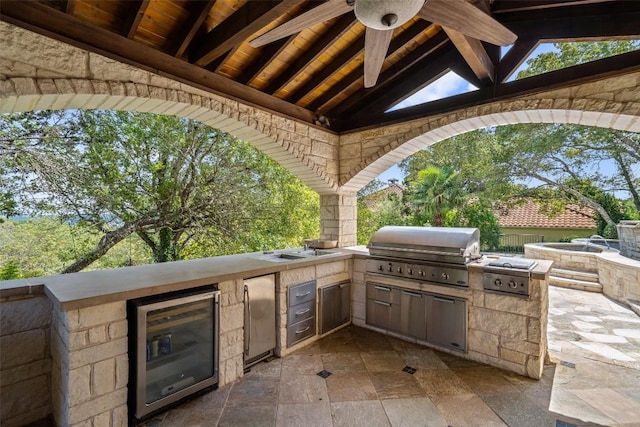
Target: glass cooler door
{"x":177,"y":349}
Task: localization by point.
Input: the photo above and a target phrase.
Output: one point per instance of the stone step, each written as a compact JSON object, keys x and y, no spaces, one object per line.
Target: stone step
{"x":583,"y":285}
{"x":635,"y":306}
{"x":575,"y":274}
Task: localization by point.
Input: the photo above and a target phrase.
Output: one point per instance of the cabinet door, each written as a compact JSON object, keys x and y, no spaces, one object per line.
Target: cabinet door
{"x":447,"y":322}
{"x":335,"y":303}
{"x":383,"y":314}
{"x":345,"y":303}
{"x":413,"y":314}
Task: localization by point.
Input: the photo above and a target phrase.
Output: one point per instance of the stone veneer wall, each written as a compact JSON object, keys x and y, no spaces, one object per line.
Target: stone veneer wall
{"x":90,"y":366}
{"x":618,"y":275}
{"x":509,"y":332}
{"x":326,"y":274}
{"x":629,"y":235}
{"x":339,"y":218}
{"x":231,"y":330}
{"x":25,"y":363}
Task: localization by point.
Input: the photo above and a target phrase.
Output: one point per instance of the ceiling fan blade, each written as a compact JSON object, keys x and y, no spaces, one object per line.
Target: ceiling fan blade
{"x":324,"y":12}
{"x":468,"y":20}
{"x":376,"y":44}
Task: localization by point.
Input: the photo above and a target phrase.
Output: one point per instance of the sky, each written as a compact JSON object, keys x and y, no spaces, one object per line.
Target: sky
{"x":452,"y":84}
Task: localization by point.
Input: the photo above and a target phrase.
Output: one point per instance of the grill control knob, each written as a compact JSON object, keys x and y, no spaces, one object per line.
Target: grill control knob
{"x":399,"y":269}
{"x":513,"y":284}
{"x":497,"y":282}
{"x":410,"y":271}
{"x":445,"y":276}
{"x":380,"y":267}
{"x":420,"y":272}
{"x":390,"y":269}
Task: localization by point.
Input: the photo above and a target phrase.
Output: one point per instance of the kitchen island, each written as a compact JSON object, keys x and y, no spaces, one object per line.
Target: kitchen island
{"x":88,"y":349}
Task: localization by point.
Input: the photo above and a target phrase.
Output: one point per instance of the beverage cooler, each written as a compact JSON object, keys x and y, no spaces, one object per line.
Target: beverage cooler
{"x":173,"y":348}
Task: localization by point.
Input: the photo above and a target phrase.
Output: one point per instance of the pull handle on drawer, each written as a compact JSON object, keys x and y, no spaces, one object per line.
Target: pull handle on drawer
{"x":303,"y":295}
{"x":303,"y":330}
{"x":301,"y":312}
{"x":413,"y":294}
{"x":382,"y":288}
{"x":439,"y":299}
{"x":386,"y":304}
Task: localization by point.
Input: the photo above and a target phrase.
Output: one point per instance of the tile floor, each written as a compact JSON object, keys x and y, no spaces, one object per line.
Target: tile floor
{"x":594,"y":380}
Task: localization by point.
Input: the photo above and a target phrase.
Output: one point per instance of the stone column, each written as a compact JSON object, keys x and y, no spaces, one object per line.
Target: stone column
{"x":338,"y":218}
{"x":90,"y":368}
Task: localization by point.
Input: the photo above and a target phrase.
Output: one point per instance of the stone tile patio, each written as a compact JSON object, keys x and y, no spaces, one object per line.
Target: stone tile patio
{"x":594,"y":380}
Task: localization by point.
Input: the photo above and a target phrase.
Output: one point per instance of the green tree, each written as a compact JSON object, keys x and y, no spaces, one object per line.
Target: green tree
{"x":168,"y":180}
{"x":434,"y":192}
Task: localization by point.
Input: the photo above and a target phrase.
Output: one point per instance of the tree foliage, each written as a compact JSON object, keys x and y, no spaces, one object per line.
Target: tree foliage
{"x":181,"y":187}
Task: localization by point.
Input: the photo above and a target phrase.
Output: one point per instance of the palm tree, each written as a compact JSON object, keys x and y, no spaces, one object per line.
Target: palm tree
{"x":436,"y":191}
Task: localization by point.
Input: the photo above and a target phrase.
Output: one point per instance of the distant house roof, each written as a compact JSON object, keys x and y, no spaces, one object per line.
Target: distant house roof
{"x":528,"y":215}
{"x":373,"y":200}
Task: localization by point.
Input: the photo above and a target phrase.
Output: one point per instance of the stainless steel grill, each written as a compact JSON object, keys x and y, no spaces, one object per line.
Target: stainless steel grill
{"x":508,"y":275}
{"x":434,"y":254}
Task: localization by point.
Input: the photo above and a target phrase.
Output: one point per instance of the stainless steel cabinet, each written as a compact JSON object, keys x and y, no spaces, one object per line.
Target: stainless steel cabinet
{"x":259,"y":318}
{"x":383,"y":306}
{"x":301,"y":316}
{"x":447,"y":321}
{"x":335,"y":306}
{"x":413,"y":314}
{"x":438,"y":319}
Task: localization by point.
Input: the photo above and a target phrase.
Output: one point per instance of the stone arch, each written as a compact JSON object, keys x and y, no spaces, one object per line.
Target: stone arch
{"x":288,"y":142}
{"x":612,"y":103}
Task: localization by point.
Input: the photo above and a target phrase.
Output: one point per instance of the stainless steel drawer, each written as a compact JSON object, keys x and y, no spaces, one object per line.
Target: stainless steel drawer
{"x":384,"y":293}
{"x":302,"y":292}
{"x":300,"y":331}
{"x":301,"y":312}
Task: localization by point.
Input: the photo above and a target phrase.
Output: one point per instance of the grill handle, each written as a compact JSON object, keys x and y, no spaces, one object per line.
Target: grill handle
{"x":419,"y":251}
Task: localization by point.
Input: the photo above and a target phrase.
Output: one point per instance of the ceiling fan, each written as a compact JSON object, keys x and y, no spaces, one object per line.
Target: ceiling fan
{"x":381,"y":17}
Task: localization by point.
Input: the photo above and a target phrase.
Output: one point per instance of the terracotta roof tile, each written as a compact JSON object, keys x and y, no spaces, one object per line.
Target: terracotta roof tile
{"x":529,"y":215}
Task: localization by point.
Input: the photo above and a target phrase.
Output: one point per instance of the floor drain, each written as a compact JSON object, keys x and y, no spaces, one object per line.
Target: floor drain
{"x":409,"y":370}
{"x":323,"y":374}
{"x":568,"y":364}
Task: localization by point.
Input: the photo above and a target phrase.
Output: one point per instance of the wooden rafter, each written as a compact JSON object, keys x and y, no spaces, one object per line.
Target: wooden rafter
{"x":247,"y":20}
{"x":188,"y":32}
{"x":514,"y":57}
{"x":136,"y":13}
{"x":264,"y":59}
{"x":341,"y":26}
{"x":474,"y":53}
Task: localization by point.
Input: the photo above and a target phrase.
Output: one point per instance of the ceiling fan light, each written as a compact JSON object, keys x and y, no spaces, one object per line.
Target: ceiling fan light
{"x":386,"y":14}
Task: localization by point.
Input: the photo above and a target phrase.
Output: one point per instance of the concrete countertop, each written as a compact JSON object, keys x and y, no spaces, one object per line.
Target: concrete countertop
{"x":85,"y":289}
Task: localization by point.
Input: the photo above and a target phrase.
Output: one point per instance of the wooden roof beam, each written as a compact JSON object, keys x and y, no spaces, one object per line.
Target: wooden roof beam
{"x":505,"y":6}
{"x":514,"y":57}
{"x":188,"y":32}
{"x":246,"y":21}
{"x":474,"y":53}
{"x":588,"y":72}
{"x":266,"y":56}
{"x":134,"y":18}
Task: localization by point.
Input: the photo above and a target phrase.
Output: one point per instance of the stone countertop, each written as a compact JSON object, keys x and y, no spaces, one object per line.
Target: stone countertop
{"x":85,"y":289}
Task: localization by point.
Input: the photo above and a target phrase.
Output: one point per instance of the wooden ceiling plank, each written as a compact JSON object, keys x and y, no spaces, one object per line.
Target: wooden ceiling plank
{"x":346,"y":56}
{"x":588,"y":72}
{"x":234,"y":30}
{"x":473,"y":53}
{"x":45,"y":20}
{"x":188,"y":32}
{"x":342,"y":25}
{"x":137,"y":10}
{"x":263,"y":60}
{"x":514,"y":57}
{"x":396,"y":44}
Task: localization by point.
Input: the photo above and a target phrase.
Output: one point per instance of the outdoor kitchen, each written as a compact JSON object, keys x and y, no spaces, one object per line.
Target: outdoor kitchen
{"x":420,"y":284}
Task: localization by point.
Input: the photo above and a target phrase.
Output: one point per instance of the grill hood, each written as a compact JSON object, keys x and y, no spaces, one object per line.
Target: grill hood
{"x":441,"y":244}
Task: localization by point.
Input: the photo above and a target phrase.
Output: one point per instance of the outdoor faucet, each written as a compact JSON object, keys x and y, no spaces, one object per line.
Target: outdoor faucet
{"x":598,"y":237}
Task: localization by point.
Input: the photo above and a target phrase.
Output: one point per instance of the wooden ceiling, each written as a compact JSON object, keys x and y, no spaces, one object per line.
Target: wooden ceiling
{"x":318,"y":72}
